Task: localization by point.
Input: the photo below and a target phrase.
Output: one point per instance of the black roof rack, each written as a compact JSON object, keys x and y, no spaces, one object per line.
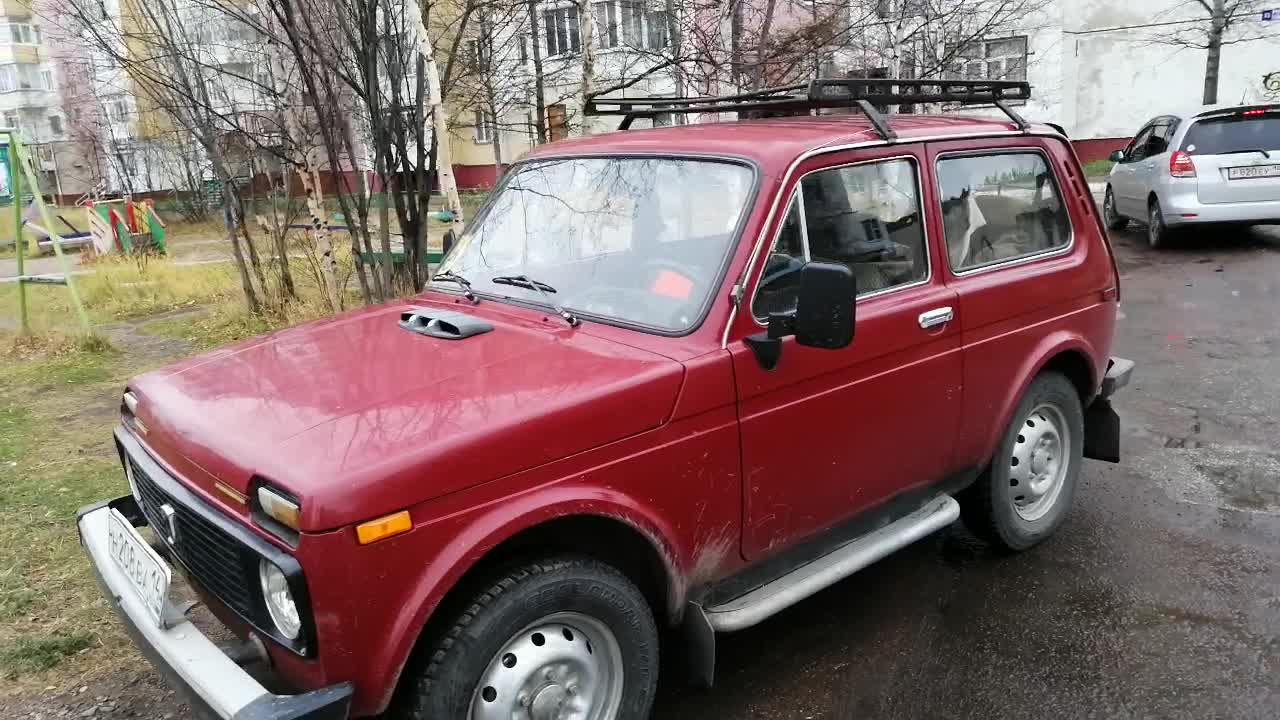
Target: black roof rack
{"x":866,"y":94}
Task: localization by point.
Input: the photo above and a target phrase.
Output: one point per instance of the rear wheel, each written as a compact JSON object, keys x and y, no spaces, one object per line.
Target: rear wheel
{"x":567,"y":638}
{"x":1113,"y":219}
{"x":1025,"y":494}
{"x":1157,"y":231}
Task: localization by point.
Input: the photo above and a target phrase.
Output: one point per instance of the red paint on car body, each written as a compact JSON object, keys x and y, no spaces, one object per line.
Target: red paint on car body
{"x":686,"y":440}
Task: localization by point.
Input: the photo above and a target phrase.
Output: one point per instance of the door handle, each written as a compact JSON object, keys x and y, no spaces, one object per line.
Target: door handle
{"x":936,"y":317}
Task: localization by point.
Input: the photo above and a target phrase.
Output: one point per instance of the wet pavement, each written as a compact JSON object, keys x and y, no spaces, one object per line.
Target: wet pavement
{"x":1159,"y":597}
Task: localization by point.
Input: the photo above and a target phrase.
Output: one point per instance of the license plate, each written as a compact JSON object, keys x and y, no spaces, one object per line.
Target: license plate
{"x":147,"y":572}
{"x":1253,"y":173}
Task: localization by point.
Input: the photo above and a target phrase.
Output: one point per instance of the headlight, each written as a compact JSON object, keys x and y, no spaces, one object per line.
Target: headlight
{"x":275,"y":590}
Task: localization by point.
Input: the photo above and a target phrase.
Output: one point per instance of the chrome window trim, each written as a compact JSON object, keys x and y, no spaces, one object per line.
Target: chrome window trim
{"x":1019,"y":259}
{"x":745,"y":275}
{"x":919,"y":168}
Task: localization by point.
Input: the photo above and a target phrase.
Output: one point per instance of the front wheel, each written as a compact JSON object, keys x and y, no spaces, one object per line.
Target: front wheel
{"x":1112,"y":217}
{"x":1025,"y":494}
{"x":567,"y":638}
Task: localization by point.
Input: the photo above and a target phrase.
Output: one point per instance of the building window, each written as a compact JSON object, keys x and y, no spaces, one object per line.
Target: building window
{"x":562,"y":27}
{"x":24,"y":34}
{"x":1004,"y":59}
{"x":11,"y":119}
{"x":484,"y":126}
{"x":479,"y":53}
{"x":630,"y":23}
{"x":8,"y":78}
{"x":55,"y":125}
{"x":117,"y":110}
{"x":524,"y":49}
{"x":46,"y":79}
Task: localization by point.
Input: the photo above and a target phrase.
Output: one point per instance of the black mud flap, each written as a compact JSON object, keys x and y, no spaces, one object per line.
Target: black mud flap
{"x":1102,"y":432}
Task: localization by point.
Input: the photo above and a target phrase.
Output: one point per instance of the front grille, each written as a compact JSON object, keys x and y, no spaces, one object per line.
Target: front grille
{"x":218,"y":562}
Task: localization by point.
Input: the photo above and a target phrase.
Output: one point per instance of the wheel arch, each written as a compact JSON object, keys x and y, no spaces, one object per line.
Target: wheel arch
{"x":1065,"y":352}
{"x":616,"y":533}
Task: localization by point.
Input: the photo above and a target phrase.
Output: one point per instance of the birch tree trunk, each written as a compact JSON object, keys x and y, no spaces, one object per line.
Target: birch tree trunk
{"x":440,"y":120}
{"x":539,"y":82}
{"x":587,"y":23}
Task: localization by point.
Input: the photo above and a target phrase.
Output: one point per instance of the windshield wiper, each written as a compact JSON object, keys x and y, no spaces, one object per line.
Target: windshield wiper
{"x":463,"y":283}
{"x":1265,"y":154}
{"x":543,"y":289}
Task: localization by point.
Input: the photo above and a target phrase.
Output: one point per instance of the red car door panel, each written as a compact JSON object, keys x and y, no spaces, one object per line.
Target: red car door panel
{"x":1020,"y":310}
{"x":828,"y":434}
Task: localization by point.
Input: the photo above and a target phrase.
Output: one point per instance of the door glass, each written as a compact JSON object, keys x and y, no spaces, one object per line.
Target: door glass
{"x":780,"y":281}
{"x":868,"y":218}
{"x":1158,"y":142}
{"x":997,"y":208}
{"x":1138,"y":150}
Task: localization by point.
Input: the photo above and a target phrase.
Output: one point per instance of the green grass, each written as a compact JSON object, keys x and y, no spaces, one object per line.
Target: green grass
{"x":57,"y":410}
{"x":29,"y":655}
{"x":1098,"y":169}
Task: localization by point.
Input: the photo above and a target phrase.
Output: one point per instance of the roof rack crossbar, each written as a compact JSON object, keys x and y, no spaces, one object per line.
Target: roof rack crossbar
{"x":867,"y":94}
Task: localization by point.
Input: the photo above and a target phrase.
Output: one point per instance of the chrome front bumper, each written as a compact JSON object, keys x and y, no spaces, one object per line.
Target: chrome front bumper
{"x":215,"y":685}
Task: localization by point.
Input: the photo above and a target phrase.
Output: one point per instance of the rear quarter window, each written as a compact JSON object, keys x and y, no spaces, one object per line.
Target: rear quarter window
{"x":999,"y":208}
{"x":1236,"y":133}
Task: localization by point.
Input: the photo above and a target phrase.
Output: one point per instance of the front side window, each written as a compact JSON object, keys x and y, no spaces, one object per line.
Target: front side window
{"x":997,"y":208}
{"x":864,"y":216}
{"x":637,"y":240}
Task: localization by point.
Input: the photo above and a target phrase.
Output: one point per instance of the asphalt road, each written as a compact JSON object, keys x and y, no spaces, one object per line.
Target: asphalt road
{"x":1159,"y":597}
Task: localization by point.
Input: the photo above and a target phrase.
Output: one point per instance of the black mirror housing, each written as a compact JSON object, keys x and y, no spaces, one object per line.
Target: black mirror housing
{"x":1117,"y":156}
{"x":825,"y":311}
{"x":824,"y":318}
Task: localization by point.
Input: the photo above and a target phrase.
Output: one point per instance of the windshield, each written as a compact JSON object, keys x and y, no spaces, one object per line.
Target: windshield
{"x":1237,"y":133}
{"x":639,"y":240}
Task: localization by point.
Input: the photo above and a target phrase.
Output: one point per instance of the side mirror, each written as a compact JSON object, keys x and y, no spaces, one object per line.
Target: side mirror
{"x":1117,"y":156}
{"x":824,"y":318}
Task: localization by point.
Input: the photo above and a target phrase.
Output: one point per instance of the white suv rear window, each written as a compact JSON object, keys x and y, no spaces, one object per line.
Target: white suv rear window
{"x":1233,"y":134}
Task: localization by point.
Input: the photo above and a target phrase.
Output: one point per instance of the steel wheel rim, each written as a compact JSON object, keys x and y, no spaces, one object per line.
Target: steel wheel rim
{"x":566,"y":666}
{"x":1039,"y":462}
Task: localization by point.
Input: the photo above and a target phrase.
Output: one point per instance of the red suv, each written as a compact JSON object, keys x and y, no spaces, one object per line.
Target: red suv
{"x":668,"y":378}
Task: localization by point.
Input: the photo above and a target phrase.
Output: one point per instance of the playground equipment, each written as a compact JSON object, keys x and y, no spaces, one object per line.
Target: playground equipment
{"x":20,"y":169}
{"x":124,"y":226}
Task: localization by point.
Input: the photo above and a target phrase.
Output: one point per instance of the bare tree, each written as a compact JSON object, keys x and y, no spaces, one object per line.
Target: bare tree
{"x":1220,"y":23}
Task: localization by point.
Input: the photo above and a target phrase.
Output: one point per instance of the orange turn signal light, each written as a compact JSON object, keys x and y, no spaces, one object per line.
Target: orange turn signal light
{"x":383,"y":527}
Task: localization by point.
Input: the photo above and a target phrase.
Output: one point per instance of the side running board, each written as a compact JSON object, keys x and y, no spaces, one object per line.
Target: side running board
{"x":766,"y":600}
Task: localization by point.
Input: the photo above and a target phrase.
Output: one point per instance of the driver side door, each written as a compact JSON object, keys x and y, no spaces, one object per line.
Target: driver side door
{"x":830,"y":434}
{"x":1125,"y":181}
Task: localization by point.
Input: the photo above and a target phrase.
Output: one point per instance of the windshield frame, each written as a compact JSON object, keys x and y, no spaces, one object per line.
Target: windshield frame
{"x":734,"y":242}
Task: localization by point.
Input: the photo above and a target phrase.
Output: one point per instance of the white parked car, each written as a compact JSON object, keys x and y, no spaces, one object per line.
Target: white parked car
{"x":1218,"y":165}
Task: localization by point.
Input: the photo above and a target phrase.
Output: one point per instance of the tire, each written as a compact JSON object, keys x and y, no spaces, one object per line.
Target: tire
{"x":1157,"y":232}
{"x":1011,"y":505}
{"x":1113,"y":219}
{"x":558,"y":631}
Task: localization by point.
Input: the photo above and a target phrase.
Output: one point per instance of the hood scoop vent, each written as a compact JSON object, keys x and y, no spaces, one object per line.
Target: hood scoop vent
{"x":443,"y":324}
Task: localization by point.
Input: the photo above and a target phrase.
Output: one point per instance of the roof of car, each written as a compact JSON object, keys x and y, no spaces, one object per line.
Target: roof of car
{"x":774,"y":140}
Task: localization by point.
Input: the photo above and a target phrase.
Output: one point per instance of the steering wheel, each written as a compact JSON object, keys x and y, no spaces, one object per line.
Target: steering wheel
{"x":778,"y":265}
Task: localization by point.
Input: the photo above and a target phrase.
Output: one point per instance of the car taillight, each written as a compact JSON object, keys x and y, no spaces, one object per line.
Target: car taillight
{"x":1253,"y":113}
{"x":1180,"y":165}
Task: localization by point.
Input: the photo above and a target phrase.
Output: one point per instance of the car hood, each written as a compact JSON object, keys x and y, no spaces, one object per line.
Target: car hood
{"x":358,"y":417}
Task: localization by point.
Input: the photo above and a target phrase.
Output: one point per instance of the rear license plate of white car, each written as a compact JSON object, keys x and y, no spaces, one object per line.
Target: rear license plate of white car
{"x":147,"y":572}
{"x":1254,"y":172}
